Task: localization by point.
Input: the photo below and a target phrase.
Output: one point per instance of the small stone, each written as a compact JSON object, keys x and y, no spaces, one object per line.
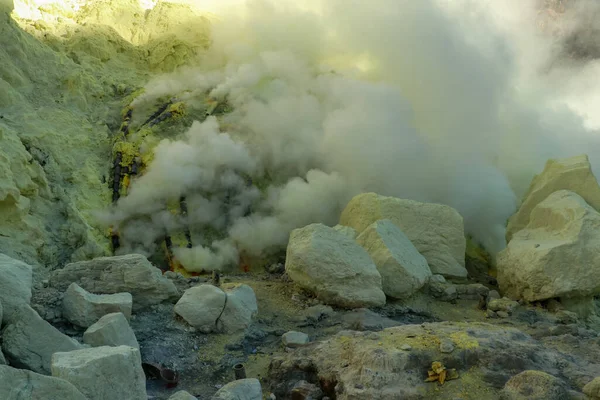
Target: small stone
{"x":592,"y":389}
{"x":502,"y":314}
{"x":446,"y":346}
{"x":247,"y":389}
{"x":111,"y":330}
{"x":491,"y":314}
{"x":182,"y":395}
{"x":566,"y":317}
{"x":437,"y":278}
{"x":295,"y":339}
{"x":406,"y":347}
{"x":503,"y":304}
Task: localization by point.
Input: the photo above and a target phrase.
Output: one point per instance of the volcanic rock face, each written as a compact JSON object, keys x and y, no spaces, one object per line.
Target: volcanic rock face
{"x":334,"y":267}
{"x":15,"y":285}
{"x":437,"y":231}
{"x":557,"y":254}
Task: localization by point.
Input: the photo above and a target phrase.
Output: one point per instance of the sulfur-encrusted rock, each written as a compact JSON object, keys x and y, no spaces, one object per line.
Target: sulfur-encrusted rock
{"x":103,"y":373}
{"x":294,"y":339}
{"x":239,"y":309}
{"x":15,"y":285}
{"x":556,"y":255}
{"x":84,"y":309}
{"x":29,"y":341}
{"x":403,"y":269}
{"x":534,"y":385}
{"x":573,"y":174}
{"x":111,"y":330}
{"x":334,"y":267}
{"x":17,"y":384}
{"x":241,"y":389}
{"x":436,"y":231}
{"x":346,"y":230}
{"x":131,"y":273}
{"x":201,"y":306}
{"x":592,"y":389}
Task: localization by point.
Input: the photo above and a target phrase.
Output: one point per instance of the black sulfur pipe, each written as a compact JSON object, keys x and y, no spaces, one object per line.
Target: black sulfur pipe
{"x":240,"y":371}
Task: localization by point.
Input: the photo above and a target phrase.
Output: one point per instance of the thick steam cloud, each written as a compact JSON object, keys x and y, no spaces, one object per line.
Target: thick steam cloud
{"x":437,"y":101}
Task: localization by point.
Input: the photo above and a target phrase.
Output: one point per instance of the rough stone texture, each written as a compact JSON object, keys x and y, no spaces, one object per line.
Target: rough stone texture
{"x":437,"y":231}
{"x":573,"y":174}
{"x":103,"y":373}
{"x":20,"y":384}
{"x":556,"y":255}
{"x":294,"y":339}
{"x":372,"y":365}
{"x":503,"y":304}
{"x":29,"y":341}
{"x":15,"y":285}
{"x":111,"y":330}
{"x":242,"y":389}
{"x":240,"y":308}
{"x":592,"y":389}
{"x":334,"y":267}
{"x":534,"y":385}
{"x":182,"y":395}
{"x":201,"y":306}
{"x":403,"y":269}
{"x":2,"y":359}
{"x":84,"y":309}
{"x":346,"y":230}
{"x":131,"y":273}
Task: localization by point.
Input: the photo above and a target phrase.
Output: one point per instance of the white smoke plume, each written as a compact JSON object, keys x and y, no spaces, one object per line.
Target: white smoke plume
{"x":456,"y":102}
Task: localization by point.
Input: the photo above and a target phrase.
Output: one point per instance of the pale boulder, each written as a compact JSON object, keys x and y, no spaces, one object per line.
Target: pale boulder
{"x":403,"y":269}
{"x":103,"y":373}
{"x":556,"y":255}
{"x":17,"y":384}
{"x":333,"y":267}
{"x":29,"y":341}
{"x":240,"y":308}
{"x":131,"y":273}
{"x":573,"y":174}
{"x":16,"y":279}
{"x":436,"y":231}
{"x":111,"y":330}
{"x":201,"y":306}
{"x":592,"y":389}
{"x":182,"y":395}
{"x":84,"y":309}
{"x":241,"y":389}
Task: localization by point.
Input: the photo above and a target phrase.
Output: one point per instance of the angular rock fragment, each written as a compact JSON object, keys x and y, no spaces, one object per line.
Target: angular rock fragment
{"x":592,"y":389}
{"x":111,"y":330}
{"x":16,"y":280}
{"x":334,"y":267}
{"x":241,"y":389}
{"x":503,"y":304}
{"x":403,"y":269}
{"x":436,"y":231}
{"x":239,"y":309}
{"x":573,"y":174}
{"x":29,"y":341}
{"x":346,"y":231}
{"x":17,"y":384}
{"x":131,"y":273}
{"x":103,"y":373}
{"x":84,"y":309}
{"x":294,"y":339}
{"x":556,"y":255}
{"x":2,"y":359}
{"x":201,"y":306}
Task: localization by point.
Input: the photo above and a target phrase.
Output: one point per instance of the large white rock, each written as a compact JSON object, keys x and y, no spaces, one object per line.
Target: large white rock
{"x":334,"y":267}
{"x":17,"y":384}
{"x":403,"y":269}
{"x":556,"y":255}
{"x":111,"y":330}
{"x":103,"y":373}
{"x":15,"y":285}
{"x":29,"y":341}
{"x":241,"y":389}
{"x":436,"y":231}
{"x":240,"y":308}
{"x":201,"y":306}
{"x":83,"y":308}
{"x":573,"y":174}
{"x":132,"y":273}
